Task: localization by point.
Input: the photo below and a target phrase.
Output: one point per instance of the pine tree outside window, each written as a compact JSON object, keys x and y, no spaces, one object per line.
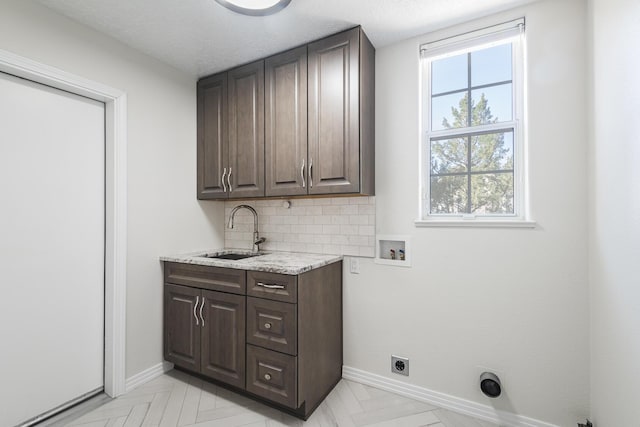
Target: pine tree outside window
{"x":472,"y":161}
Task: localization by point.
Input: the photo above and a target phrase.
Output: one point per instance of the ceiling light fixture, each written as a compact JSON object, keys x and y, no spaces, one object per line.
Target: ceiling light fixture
{"x":255,"y":7}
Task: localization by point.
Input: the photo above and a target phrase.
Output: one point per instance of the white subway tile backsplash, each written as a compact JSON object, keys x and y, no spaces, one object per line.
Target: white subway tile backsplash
{"x":367,"y":230}
{"x":313,"y":210}
{"x":359,"y":219}
{"x":350,"y":250}
{"x":320,"y":202}
{"x":331,"y":229}
{"x":339,"y":239}
{"x":331,"y":210}
{"x":348,"y":209}
{"x":337,"y":225}
{"x":349,"y":229}
{"x":357,"y":240}
{"x":359,"y":200}
{"x":313,"y":229}
{"x":366,"y":210}
{"x":339,"y":219}
{"x":306,"y":219}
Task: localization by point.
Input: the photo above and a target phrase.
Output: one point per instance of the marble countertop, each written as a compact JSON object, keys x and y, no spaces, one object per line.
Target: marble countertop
{"x":271,"y":261}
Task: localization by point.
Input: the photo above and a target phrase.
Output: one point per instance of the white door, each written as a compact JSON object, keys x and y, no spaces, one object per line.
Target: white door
{"x":51,"y":248}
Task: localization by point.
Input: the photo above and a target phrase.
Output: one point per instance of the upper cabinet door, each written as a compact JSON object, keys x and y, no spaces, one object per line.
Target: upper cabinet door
{"x":212,"y":137}
{"x":286,"y":163}
{"x":246,"y":131}
{"x":334,"y":140}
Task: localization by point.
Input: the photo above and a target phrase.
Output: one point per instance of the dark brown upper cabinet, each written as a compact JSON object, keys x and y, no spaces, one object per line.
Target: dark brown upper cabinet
{"x":246,"y":131}
{"x":341,"y":114}
{"x":286,"y":123}
{"x":231,"y":133}
{"x":298,"y":123}
{"x":213,"y":140}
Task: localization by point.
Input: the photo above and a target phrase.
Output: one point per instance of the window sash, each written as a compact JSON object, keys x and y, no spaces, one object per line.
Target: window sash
{"x":510,"y":32}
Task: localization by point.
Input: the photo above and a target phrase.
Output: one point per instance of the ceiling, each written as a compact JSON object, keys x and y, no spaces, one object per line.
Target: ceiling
{"x":201,"y":37}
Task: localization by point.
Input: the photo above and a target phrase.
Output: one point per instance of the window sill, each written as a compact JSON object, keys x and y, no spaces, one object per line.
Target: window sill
{"x":475,"y":223}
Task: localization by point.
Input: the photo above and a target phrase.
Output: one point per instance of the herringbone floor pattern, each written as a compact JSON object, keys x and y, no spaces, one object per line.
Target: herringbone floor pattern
{"x":178,"y":399}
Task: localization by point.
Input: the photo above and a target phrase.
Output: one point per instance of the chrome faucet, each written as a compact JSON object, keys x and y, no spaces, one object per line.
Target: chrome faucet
{"x":256,"y":239}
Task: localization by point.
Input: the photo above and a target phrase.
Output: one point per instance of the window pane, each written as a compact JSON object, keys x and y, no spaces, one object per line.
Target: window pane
{"x":492,"y":194}
{"x":449,"y":111}
{"x":492,"y":152}
{"x":492,"y":104}
{"x":448,"y":194}
{"x":491,"y":65}
{"x":449,"y":155}
{"x":449,"y":74}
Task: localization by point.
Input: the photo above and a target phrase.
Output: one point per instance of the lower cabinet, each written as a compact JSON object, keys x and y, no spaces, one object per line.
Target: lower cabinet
{"x":275,"y":337}
{"x":205,"y":332}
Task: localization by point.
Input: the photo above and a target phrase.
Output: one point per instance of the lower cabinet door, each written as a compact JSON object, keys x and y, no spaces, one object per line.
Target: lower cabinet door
{"x":272,"y":375}
{"x":223,"y":337}
{"x":182,"y":326}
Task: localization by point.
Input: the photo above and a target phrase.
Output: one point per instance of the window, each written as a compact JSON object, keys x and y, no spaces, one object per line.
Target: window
{"x":472,"y":146}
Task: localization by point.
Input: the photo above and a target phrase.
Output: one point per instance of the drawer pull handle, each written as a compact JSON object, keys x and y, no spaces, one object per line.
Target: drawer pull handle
{"x":224,"y":187}
{"x":267,"y":377}
{"x":268,"y":286}
{"x":201,"y":307}
{"x":267,"y":325}
{"x":195,"y":307}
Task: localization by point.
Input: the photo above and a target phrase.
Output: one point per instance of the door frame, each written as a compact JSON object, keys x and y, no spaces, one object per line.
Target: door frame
{"x":115,"y":261}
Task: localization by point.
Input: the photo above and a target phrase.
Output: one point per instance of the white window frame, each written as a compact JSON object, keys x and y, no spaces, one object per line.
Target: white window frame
{"x":512,"y":32}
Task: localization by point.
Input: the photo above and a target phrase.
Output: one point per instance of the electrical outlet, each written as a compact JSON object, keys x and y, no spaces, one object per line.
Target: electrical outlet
{"x":354,"y":264}
{"x":400,"y":365}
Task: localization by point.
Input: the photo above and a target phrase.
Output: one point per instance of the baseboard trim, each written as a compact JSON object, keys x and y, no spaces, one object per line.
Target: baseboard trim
{"x":147,"y":375}
{"x":452,"y":403}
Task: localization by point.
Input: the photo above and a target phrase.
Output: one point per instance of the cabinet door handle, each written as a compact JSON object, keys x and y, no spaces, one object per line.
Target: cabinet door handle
{"x":304,"y":184}
{"x":268,"y":286}
{"x":201,"y":307}
{"x":195,"y":307}
{"x":311,"y":173}
{"x":229,"y":181}
{"x":224,"y":173}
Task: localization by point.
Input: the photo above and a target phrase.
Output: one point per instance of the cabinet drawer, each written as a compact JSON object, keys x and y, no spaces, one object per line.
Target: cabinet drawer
{"x":272,"y":375}
{"x":272,"y":324}
{"x":205,"y":277}
{"x":279,"y":287}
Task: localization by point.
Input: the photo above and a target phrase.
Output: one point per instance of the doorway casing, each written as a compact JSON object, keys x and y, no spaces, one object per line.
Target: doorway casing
{"x":115,"y":201}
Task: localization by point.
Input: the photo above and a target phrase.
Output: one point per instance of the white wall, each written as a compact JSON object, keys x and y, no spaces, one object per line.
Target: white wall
{"x":515,"y":300}
{"x":163,"y":213}
{"x":615,"y":213}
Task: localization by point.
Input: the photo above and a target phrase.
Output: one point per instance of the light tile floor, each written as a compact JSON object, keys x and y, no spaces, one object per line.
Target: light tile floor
{"x":178,"y":399}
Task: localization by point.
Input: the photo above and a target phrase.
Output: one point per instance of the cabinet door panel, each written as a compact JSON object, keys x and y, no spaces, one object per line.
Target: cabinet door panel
{"x":212,"y":136}
{"x":182,"y":333}
{"x":223,"y":340}
{"x":333,"y":107}
{"x":286,"y":123}
{"x":246,"y":130}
